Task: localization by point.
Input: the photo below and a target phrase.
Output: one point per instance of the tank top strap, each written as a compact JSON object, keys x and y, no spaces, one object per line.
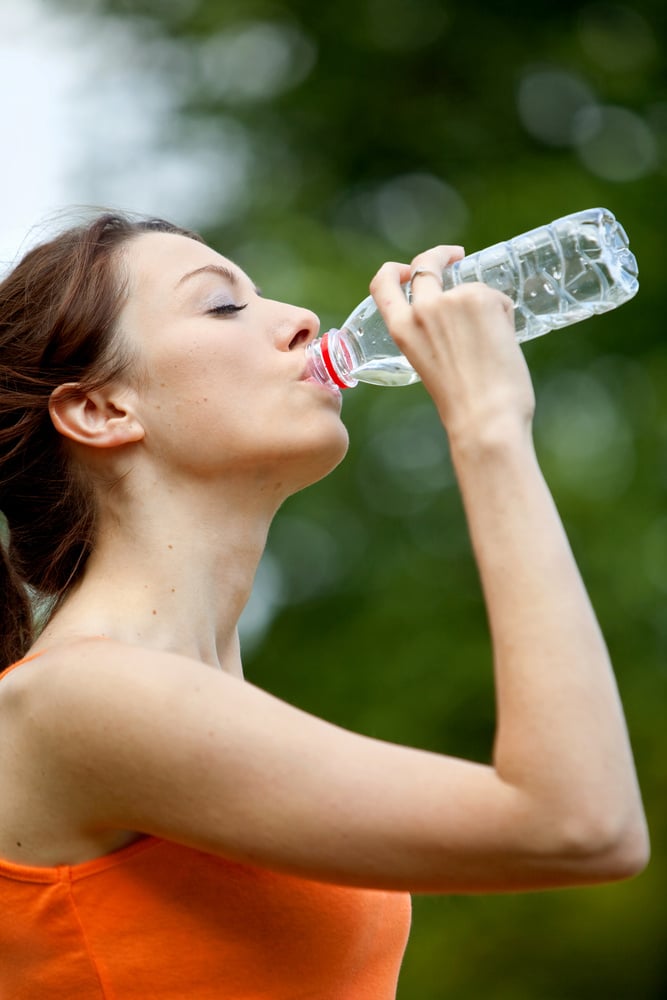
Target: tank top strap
{"x":33,"y":656}
{"x":19,"y":663}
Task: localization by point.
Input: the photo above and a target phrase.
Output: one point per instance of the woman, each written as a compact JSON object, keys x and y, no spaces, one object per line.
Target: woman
{"x":167,"y":829}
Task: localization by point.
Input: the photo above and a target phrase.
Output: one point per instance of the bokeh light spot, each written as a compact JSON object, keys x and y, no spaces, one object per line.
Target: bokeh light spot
{"x":548,"y":101}
{"x":255,"y":61}
{"x":265,"y":600}
{"x":615,"y":143}
{"x":405,"y":458}
{"x":585,"y":435}
{"x":414,"y":211}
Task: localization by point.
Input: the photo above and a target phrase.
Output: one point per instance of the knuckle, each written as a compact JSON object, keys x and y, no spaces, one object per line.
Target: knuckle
{"x":425,"y":309}
{"x":441,"y":249}
{"x":388,"y":268}
{"x":439,"y":256}
{"x":478,"y":295}
{"x":400,"y":330}
{"x":476,"y":292}
{"x":375,"y":280}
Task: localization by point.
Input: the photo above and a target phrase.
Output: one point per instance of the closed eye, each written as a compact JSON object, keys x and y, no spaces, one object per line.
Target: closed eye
{"x":226,"y":309}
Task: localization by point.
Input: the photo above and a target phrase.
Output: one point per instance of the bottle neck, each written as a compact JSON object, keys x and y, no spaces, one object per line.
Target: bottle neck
{"x":330,"y":361}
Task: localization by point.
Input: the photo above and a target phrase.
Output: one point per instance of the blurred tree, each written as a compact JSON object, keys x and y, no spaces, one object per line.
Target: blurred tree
{"x":364,"y":131}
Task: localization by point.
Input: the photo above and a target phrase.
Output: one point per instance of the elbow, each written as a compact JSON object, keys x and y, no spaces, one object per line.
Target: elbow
{"x":606,"y":849}
{"x":630,"y":852}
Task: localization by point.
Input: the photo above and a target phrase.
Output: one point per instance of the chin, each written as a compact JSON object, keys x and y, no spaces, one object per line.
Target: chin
{"x":321,"y":460}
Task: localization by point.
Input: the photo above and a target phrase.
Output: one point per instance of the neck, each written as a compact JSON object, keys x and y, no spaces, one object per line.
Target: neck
{"x":174,"y":573}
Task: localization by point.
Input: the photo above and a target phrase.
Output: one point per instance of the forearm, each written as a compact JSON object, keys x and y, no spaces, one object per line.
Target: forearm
{"x":561,"y":736}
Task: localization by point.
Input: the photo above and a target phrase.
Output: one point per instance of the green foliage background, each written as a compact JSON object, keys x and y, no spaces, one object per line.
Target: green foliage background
{"x":376,"y":617}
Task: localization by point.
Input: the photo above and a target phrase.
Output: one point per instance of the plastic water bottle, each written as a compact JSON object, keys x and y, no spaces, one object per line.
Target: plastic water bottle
{"x":556,"y":275}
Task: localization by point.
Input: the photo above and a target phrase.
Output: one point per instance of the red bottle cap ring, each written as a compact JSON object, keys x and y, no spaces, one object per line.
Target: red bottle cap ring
{"x":328,"y":363}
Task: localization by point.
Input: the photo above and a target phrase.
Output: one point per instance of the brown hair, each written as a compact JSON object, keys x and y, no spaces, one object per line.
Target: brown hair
{"x":58,"y":313}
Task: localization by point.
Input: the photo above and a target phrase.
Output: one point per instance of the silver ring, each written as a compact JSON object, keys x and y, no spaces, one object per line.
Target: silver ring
{"x":426,"y":270}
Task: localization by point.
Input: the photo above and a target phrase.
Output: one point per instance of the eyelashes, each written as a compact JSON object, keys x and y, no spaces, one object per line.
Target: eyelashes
{"x":226,"y":309}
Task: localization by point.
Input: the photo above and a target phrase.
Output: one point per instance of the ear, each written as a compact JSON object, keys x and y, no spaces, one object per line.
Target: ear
{"x":100,"y":419}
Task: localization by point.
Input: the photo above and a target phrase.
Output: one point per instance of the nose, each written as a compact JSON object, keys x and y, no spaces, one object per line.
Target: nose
{"x":300,"y":326}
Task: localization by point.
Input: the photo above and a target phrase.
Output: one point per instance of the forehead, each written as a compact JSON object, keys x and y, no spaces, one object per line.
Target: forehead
{"x":158,"y":261}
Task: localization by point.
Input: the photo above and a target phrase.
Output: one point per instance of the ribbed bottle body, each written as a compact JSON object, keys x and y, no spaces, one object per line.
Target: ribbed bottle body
{"x":556,"y":275}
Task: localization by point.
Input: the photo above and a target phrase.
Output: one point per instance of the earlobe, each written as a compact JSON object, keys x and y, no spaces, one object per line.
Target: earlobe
{"x":98,"y":419}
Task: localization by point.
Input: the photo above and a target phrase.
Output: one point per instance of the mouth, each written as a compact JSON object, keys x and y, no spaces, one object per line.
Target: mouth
{"x":329,"y":388}
{"x":314,"y":371}
{"x":310,"y":376}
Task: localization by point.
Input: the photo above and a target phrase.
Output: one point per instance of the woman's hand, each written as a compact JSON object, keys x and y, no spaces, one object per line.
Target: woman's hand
{"x":462,"y":344}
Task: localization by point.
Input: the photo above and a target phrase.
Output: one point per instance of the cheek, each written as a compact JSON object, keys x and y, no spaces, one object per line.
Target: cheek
{"x":210,"y":422}
{"x":203,"y":377}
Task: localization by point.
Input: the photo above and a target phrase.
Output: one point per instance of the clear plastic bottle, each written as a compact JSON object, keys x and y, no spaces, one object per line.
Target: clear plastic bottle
{"x":556,"y":275}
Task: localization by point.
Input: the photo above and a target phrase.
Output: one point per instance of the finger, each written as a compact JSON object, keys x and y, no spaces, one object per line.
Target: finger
{"x":427,"y":269}
{"x":387,"y":291}
{"x":424,"y":283}
{"x":437,"y":258}
{"x":508,"y":306}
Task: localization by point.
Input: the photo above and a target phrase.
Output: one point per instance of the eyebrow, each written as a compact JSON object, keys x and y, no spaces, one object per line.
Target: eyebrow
{"x":219,"y":269}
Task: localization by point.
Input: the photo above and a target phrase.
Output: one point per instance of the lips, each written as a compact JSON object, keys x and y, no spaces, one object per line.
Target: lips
{"x":325,"y":386}
{"x":310,"y":374}
{"x":328,"y":387}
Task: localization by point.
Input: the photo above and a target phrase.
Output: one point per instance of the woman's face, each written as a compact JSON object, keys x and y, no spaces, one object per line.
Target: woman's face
{"x":225,"y":385}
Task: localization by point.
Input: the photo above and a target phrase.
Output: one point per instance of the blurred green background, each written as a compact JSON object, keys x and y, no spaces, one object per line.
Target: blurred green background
{"x":339,"y":135}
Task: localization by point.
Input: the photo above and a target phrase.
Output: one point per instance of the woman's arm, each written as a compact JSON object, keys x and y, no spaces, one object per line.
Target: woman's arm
{"x":561,"y":740}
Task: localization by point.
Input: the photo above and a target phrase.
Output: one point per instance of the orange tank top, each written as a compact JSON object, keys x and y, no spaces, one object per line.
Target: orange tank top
{"x":162,"y":921}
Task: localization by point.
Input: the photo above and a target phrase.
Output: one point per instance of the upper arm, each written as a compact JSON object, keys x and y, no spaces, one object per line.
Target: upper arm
{"x":157,"y":743}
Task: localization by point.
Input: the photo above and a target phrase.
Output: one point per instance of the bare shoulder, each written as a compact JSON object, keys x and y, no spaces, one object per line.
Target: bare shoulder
{"x":41,"y":702}
{"x":100,"y":695}
{"x":85,"y":667}
{"x":54,"y":683}
{"x":78,"y":722}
